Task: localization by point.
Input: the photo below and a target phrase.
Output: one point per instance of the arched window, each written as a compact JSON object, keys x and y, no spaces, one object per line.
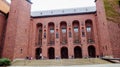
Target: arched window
{"x":76,"y":32}
{"x":77,"y":52}
{"x":64,"y":52}
{"x":39,"y":34}
{"x":89,"y":31}
{"x":51,"y":33}
{"x":91,"y":51}
{"x":38,"y":51}
{"x":63,"y":32}
{"x":51,"y":53}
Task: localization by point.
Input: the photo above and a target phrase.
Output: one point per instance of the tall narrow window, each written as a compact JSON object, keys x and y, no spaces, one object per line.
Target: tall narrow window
{"x":83,"y":32}
{"x":57,"y":35}
{"x":70,"y":34}
{"x":44,"y":33}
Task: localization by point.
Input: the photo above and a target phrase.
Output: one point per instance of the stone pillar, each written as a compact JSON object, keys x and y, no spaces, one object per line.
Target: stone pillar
{"x":84,"y":41}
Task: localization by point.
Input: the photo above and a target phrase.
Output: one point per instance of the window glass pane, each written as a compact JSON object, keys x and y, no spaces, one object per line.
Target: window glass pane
{"x":88,"y":29}
{"x":76,"y":29}
{"x":63,"y":30}
{"x":51,"y":31}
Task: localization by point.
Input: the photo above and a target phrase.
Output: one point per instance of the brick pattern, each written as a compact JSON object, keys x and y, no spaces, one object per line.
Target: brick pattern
{"x":16,"y":40}
{"x":70,"y":45}
{"x":2,"y":25}
{"x":114,"y":31}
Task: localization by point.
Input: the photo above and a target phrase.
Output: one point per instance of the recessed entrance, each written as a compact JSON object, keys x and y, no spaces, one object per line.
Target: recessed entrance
{"x":64,"y":52}
{"x":38,"y":52}
{"x":77,"y":52}
{"x":51,"y":53}
{"x":91,"y":51}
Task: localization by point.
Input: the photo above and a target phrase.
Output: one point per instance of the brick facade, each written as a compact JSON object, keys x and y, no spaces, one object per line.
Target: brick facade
{"x":79,"y":36}
{"x":114,"y":30}
{"x":2,"y":30}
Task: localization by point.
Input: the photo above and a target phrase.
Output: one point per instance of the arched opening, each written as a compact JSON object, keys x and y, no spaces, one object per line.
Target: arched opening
{"x":38,"y":52}
{"x":39,"y":34}
{"x":89,"y":31}
{"x":51,"y":53}
{"x":91,"y":51}
{"x":51,"y":33}
{"x":64,"y":52}
{"x":77,"y":52}
{"x":63,"y":32}
{"x":76,"y":32}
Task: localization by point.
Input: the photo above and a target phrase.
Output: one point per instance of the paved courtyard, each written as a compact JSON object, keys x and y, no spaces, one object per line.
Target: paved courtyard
{"x":99,"y":65}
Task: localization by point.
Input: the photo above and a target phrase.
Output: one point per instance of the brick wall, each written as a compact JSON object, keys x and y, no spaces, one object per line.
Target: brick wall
{"x":2,"y":29}
{"x":16,"y":40}
{"x":114,"y":30}
{"x":103,"y":34}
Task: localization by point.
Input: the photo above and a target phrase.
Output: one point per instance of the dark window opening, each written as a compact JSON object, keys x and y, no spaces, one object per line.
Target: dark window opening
{"x":57,"y":36}
{"x":21,"y":50}
{"x":44,"y":35}
{"x":83,"y":34}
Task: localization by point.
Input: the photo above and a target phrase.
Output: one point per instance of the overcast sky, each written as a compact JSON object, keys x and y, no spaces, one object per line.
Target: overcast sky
{"x":39,"y":5}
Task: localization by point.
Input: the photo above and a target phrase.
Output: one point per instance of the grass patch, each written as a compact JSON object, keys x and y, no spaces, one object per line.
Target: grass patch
{"x":111,"y":8}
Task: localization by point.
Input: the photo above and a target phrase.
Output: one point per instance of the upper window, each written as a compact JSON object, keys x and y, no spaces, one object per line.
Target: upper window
{"x":63,"y":30}
{"x":76,"y":29}
{"x":51,"y":30}
{"x":40,"y":30}
{"x":88,"y":29}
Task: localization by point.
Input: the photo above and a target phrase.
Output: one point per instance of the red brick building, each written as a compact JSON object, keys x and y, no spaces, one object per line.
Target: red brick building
{"x":78,"y":33}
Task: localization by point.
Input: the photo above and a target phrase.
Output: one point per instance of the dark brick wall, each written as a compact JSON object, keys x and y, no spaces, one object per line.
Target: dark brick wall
{"x":2,"y":29}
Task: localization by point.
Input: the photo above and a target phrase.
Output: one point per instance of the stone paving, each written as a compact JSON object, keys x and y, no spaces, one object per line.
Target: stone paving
{"x":97,"y":65}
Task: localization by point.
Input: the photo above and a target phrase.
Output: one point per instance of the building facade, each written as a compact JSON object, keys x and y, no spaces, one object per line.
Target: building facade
{"x":69,"y":33}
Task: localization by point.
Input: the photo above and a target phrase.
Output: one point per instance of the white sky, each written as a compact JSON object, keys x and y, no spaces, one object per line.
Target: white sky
{"x":39,"y":5}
